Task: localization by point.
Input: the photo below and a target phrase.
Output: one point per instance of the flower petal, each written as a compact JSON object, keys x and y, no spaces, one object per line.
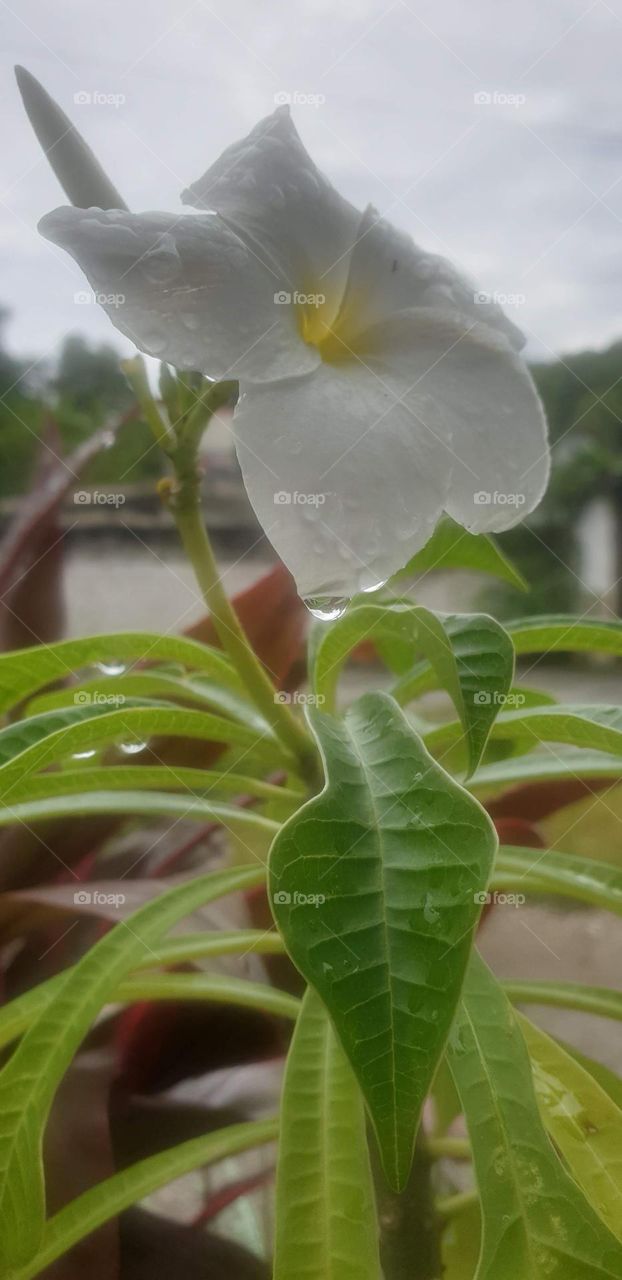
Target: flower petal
{"x":269,"y":189}
{"x":349,"y":468}
{"x":389,"y":273}
{"x":344,"y":481}
{"x":186,"y":290}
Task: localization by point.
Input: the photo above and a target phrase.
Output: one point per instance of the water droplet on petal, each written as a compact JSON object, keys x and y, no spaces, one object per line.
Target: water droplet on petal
{"x":327,"y":608}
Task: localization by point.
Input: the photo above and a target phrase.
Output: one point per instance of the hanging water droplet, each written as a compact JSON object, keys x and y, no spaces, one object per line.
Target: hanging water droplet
{"x":83,"y":755}
{"x":132,"y":748}
{"x":111,"y":667}
{"x":327,"y":608}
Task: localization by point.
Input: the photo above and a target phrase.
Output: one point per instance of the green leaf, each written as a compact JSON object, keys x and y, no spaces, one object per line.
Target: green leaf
{"x":603,"y":1001}
{"x":607,"y":1079}
{"x":145,"y":685}
{"x":76,"y":167}
{"x":598,"y":884}
{"x":452,"y":547}
{"x":470,"y":656}
{"x":583,"y":1122}
{"x":18,"y":1014}
{"x":598,"y":728}
{"x":135,"y":724}
{"x":563,"y":763}
{"x":325,"y":1209}
{"x":107,"y":1199}
{"x":558,"y":634}
{"x":19,"y":737}
{"x":461,"y":1244}
{"x":150,"y":778}
{"x":26,"y":670}
{"x":146,"y":804}
{"x":30,"y":1079}
{"x":215,"y":988}
{"x":536,"y":1223}
{"x":398,"y":853}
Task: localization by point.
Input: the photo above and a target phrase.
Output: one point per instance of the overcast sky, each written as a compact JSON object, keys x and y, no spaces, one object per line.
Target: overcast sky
{"x":523,"y":189}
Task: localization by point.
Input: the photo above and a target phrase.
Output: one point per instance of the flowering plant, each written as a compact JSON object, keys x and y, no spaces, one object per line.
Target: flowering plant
{"x":383,"y":420}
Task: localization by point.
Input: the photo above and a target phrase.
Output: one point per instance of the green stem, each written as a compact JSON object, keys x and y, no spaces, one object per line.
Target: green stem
{"x":181,"y":443}
{"x":449,"y":1206}
{"x":185,"y":507}
{"x":449,"y":1149}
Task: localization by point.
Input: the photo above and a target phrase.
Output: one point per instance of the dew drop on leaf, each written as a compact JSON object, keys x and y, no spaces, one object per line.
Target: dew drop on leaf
{"x":132,"y":747}
{"x":111,"y":667}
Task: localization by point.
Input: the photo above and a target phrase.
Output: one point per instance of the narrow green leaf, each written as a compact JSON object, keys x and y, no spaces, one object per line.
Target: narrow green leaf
{"x":598,"y":728}
{"x":144,"y":685}
{"x":18,"y":1014}
{"x":398,"y":853}
{"x":471,"y":657}
{"x":216,"y":988}
{"x":599,"y":884}
{"x":602,"y":1001}
{"x":134,"y":724}
{"x":583,"y":1122}
{"x":18,"y":737}
{"x":555,"y":633}
{"x":202,"y":782}
{"x":604,"y":1076}
{"x":564,"y":762}
{"x":452,"y":547}
{"x":325,"y":1210}
{"x":536,"y":1223}
{"x":30,"y":1079}
{"x":26,"y":670}
{"x":146,"y":804}
{"x":101,"y":1203}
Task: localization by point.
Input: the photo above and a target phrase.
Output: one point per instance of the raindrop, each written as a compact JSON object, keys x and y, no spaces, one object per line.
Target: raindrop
{"x":430,"y":912}
{"x":376,"y":586}
{"x":327,"y":608}
{"x":132,"y":748}
{"x":83,"y":755}
{"x":111,"y":667}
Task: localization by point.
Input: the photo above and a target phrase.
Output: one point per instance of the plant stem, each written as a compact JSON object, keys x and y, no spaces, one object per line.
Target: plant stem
{"x":449,"y":1148}
{"x":184,"y":504}
{"x":449,"y":1206}
{"x":182,"y":495}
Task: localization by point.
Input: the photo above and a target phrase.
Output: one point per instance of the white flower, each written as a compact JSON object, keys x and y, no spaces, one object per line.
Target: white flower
{"x":377,"y":388}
